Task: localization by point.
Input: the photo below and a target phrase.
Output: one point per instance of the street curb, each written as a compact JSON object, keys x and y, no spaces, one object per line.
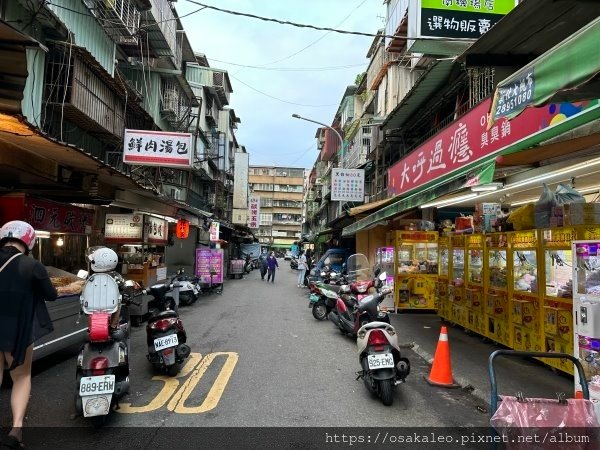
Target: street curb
{"x":461,"y":381}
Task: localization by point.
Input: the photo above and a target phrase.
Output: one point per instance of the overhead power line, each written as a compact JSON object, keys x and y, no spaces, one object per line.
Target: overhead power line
{"x":314,"y":27}
{"x":279,"y":99}
{"x":292,"y":69}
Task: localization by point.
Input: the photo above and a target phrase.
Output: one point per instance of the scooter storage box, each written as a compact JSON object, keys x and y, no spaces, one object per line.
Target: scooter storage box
{"x":98,"y":326}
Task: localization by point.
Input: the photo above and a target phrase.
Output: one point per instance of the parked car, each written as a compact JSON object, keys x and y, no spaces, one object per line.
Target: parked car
{"x":64,"y":313}
{"x":288,"y":256}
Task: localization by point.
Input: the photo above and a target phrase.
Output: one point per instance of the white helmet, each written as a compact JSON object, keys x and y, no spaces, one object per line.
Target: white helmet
{"x":103,"y":259}
{"x":18,"y":230}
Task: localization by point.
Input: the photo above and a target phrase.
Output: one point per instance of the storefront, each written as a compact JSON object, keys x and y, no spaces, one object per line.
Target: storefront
{"x":63,"y":233}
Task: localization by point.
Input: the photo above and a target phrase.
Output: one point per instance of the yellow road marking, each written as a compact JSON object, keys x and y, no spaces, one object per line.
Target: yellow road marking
{"x":169,"y":388}
{"x":216,"y":391}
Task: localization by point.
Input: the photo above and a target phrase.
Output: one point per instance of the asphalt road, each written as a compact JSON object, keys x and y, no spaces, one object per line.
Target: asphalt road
{"x":259,"y":360}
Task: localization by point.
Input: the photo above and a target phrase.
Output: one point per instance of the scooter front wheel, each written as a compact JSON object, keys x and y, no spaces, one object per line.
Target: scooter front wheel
{"x":319,"y":311}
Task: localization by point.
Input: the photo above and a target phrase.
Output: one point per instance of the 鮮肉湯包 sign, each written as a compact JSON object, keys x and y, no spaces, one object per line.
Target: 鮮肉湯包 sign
{"x":467,"y":141}
{"x":348,"y":185}
{"x":157,"y":148}
{"x":468,"y":19}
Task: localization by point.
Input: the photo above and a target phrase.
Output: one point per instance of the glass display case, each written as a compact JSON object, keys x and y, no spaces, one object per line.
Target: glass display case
{"x":524,"y":295}
{"x":456,"y":283}
{"x":416,"y":269}
{"x":496,"y":290}
{"x":557,"y":294}
{"x":385,"y":260}
{"x":442,"y":283}
{"x":474,"y":283}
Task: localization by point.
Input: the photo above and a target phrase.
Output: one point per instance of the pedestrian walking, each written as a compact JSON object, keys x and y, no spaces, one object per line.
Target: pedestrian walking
{"x":24,"y":288}
{"x":271,"y":267}
{"x":302,"y":268}
{"x":263,"y":264}
{"x":309,"y":263}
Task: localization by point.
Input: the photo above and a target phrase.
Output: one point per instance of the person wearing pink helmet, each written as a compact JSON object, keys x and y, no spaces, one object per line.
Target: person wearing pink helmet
{"x":24,"y":287}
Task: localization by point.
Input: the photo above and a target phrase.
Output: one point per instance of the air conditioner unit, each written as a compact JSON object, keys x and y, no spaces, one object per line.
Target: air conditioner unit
{"x":284,"y":174}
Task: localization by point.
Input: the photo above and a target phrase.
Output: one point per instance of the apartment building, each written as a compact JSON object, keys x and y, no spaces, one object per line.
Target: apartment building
{"x":281,"y":191}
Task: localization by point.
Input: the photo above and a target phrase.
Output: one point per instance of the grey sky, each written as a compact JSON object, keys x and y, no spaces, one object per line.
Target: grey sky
{"x":267,"y":130}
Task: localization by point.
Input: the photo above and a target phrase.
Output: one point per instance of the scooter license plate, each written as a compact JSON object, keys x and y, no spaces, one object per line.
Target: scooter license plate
{"x":381,"y":361}
{"x":103,"y":384}
{"x":96,"y":405}
{"x":166,"y":342}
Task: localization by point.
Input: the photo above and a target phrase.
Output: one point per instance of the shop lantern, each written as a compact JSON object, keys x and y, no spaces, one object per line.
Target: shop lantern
{"x":182,"y":230}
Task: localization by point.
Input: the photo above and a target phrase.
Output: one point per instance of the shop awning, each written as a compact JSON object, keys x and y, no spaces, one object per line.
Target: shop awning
{"x":367,"y":207}
{"x":428,"y":84}
{"x":482,"y":174}
{"x":568,"y":72}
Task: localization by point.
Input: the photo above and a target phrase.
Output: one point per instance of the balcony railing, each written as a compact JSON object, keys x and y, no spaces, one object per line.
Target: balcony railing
{"x":119,"y":18}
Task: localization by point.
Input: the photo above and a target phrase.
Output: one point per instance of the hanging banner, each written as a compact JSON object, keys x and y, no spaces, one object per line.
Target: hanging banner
{"x":214,"y":231}
{"x":123,"y":228}
{"x":467,"y":141}
{"x":157,"y":148}
{"x":254,"y":213}
{"x":207,"y":261}
{"x":348,"y":185}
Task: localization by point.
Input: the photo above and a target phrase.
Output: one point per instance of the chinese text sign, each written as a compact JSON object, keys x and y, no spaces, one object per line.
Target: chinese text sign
{"x":348,"y":185}
{"x":157,"y":148}
{"x":254,"y":215}
{"x":207,"y":261}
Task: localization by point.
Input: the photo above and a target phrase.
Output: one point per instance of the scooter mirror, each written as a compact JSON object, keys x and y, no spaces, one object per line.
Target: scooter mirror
{"x":82,"y":274}
{"x":383,"y":276}
{"x":130,"y":283}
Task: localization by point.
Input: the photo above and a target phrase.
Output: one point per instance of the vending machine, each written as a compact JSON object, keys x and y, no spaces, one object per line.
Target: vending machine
{"x":385,"y":260}
{"x":586,"y":313}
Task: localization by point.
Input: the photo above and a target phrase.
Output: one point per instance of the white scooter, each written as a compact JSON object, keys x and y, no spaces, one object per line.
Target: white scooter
{"x":189,"y":288}
{"x":379,"y":354}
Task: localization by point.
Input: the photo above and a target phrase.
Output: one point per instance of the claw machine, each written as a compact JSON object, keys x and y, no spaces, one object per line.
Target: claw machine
{"x":496,"y":277}
{"x":474,"y":283}
{"x":416,"y":269}
{"x":442,"y":282}
{"x":524,"y":293}
{"x":456,"y":284}
{"x":557,"y":294}
{"x":385,"y":260}
{"x":586,"y":306}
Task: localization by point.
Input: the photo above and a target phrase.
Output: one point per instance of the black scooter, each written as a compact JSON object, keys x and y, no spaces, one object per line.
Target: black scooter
{"x":165,"y":336}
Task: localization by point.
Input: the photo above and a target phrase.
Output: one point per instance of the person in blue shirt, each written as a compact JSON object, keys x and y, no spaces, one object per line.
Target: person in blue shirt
{"x":272,"y":266}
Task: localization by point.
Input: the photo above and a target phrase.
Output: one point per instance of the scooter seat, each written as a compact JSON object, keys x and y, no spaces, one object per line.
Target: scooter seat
{"x":163,"y":315}
{"x":376,"y":326}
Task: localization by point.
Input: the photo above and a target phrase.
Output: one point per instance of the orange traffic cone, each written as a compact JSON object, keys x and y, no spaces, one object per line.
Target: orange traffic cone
{"x":441,"y":370}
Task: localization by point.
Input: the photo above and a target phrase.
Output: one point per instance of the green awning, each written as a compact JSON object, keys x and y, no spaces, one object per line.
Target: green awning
{"x":570,"y":71}
{"x":481,"y":174}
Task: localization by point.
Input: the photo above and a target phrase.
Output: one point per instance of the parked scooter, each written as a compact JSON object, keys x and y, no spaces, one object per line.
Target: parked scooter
{"x":165,"y":336}
{"x":189,"y":290}
{"x":103,"y":362}
{"x":347,"y":315}
{"x":383,"y":367}
{"x":294,"y":263}
{"x":248,"y":265}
